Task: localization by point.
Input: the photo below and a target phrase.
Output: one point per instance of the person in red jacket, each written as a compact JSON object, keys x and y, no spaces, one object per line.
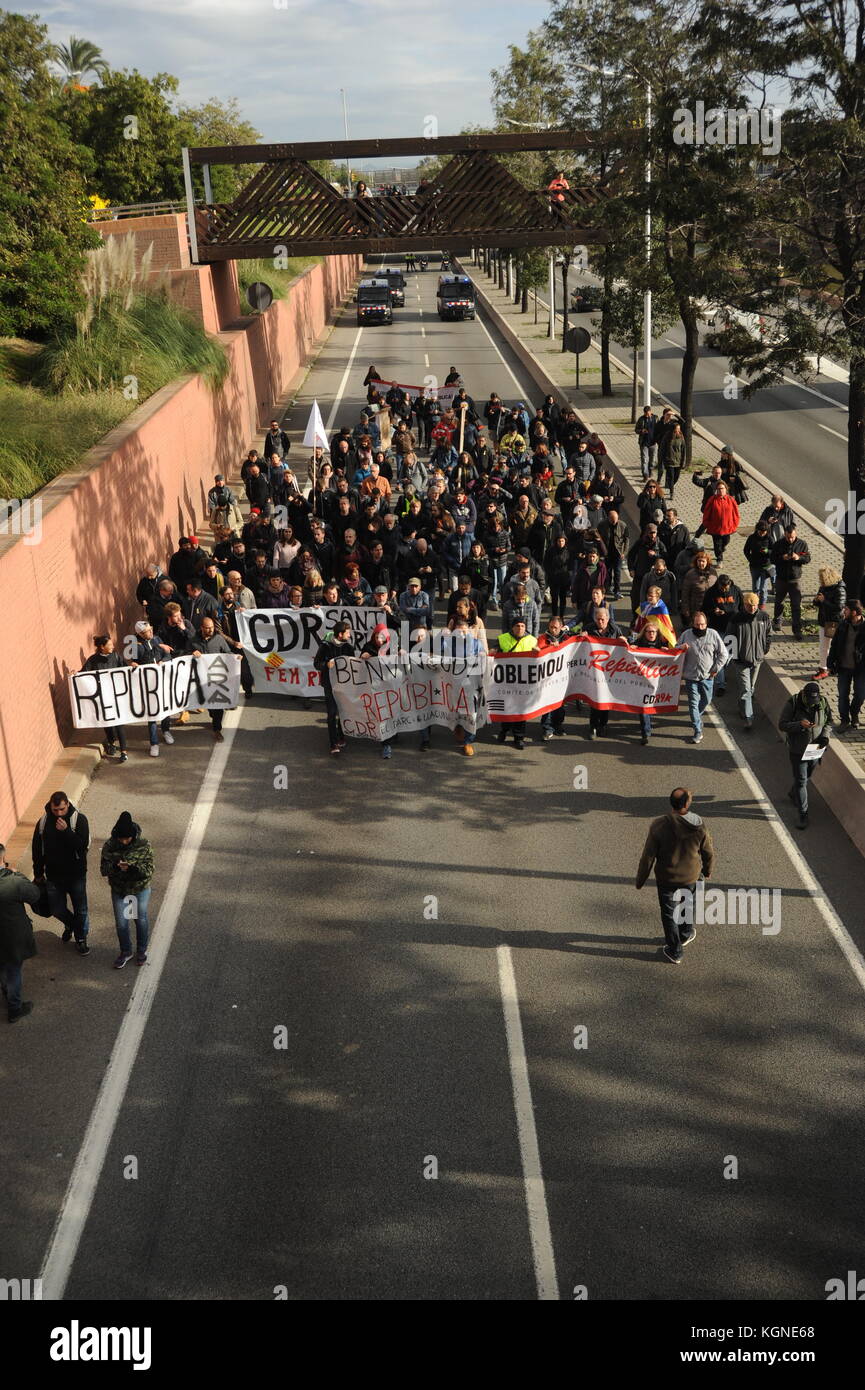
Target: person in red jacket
{"x":721,"y":519}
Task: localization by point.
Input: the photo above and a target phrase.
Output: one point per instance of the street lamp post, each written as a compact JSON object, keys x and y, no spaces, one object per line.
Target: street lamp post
{"x":345,"y":125}
{"x":647,"y":301}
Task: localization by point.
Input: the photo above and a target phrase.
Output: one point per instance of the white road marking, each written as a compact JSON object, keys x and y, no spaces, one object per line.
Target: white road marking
{"x":342,"y":385}
{"x":426,"y":359}
{"x":828,"y":431}
{"x":536,"y":1201}
{"x":848,"y":946}
{"x":78,"y":1200}
{"x":422,"y":331}
{"x":790,"y":381}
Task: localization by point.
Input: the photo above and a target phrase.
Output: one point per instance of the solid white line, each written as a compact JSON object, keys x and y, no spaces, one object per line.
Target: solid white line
{"x":328,"y":425}
{"x":498,"y":352}
{"x":821,"y":395}
{"x":536,"y":1201}
{"x":828,"y":431}
{"x":81,"y":1190}
{"x":851,"y":951}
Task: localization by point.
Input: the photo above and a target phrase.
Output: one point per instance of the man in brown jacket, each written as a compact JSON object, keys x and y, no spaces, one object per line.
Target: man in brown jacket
{"x":680,"y":848}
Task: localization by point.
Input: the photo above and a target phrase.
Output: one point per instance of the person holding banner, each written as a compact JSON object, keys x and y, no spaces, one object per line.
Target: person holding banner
{"x":103,"y":659}
{"x":209,"y":643}
{"x":148,"y":651}
{"x":381,"y":643}
{"x":600,"y":625}
{"x":338,"y":642}
{"x":517,"y":639}
{"x":553,"y":722}
{"x":651,"y":637}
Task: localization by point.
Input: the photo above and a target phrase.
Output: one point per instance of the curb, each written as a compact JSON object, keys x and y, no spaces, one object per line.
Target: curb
{"x":842,"y":783}
{"x":71,"y":772}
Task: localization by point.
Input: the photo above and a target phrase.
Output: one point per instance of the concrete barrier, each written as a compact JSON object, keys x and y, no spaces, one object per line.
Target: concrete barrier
{"x":841,"y":781}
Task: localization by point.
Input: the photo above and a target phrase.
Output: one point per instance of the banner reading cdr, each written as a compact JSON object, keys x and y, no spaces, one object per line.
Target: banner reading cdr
{"x":281,"y":643}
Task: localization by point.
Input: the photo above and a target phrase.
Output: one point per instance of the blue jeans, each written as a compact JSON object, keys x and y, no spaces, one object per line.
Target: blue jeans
{"x":499,"y":573}
{"x":553,"y":719}
{"x":647,"y":459}
{"x":10,"y":982}
{"x":131,"y":907}
{"x":847,"y":708}
{"x":802,"y":772}
{"x":746,"y":677}
{"x":672,"y":927}
{"x":154,"y":727}
{"x":699,"y":695}
{"x":645,"y":723}
{"x":78,"y":920}
{"x":760,"y":583}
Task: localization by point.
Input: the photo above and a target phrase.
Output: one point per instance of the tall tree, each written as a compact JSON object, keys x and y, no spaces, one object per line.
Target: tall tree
{"x":78,"y":58}
{"x":43,"y":235}
{"x":218,"y":122}
{"x":814,"y":204}
{"x":130,"y":125}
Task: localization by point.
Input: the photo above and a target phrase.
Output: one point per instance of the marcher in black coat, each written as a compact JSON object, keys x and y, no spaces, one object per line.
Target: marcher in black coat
{"x":17,"y":942}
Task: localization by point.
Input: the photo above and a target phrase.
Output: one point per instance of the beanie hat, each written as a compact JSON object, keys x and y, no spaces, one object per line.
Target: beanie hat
{"x":125,"y":827}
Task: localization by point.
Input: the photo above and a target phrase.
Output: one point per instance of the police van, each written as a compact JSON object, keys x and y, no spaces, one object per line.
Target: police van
{"x":456,"y":297}
{"x":396,"y":280}
{"x":374,"y":304}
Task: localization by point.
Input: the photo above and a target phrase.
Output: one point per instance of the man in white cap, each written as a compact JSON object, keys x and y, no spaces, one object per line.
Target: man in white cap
{"x":149,"y":650}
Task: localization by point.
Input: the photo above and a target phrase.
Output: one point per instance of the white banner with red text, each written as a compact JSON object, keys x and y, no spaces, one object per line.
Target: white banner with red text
{"x":383,"y":696}
{"x":608,"y":675}
{"x":280,"y":644}
{"x":443,"y":394}
{"x":161,"y":690}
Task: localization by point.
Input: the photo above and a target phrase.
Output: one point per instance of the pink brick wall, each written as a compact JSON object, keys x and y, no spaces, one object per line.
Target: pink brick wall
{"x":144,"y":485}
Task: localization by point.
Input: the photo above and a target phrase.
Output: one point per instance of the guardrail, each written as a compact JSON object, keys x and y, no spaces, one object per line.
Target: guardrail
{"x":114,"y":214}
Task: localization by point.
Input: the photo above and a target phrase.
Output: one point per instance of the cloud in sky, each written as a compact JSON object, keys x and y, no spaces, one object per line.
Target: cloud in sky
{"x":399,"y":60}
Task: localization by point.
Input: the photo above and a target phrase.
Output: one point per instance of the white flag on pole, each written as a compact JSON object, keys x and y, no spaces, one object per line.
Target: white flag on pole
{"x":315,"y":432}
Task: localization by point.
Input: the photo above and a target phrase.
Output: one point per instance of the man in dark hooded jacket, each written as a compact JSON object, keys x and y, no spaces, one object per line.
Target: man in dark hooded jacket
{"x":680,"y":848}
{"x":17,"y":942}
{"x":806,"y":719}
{"x":61,"y":839}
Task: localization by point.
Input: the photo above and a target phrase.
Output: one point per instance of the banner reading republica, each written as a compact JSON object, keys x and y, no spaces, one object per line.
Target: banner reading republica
{"x":281,"y":643}
{"x":383,"y":696}
{"x":145,"y":694}
{"x":443,"y":394}
{"x":606,"y":674}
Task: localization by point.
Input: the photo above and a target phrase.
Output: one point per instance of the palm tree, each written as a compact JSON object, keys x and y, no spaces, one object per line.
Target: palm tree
{"x":77,"y":58}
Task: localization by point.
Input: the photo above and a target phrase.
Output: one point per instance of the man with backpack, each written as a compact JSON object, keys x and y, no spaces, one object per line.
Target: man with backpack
{"x":61,"y":840}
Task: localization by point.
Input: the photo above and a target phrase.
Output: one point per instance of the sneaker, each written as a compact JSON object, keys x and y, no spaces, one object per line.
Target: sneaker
{"x":168,"y":736}
{"x":548,"y":734}
{"x":674,"y":960}
{"x":83,"y":948}
{"x":335,"y":748}
{"x":854,"y":721}
{"x":469,"y":750}
{"x":22,"y":1011}
{"x":820,"y":675}
{"x":154,"y":750}
{"x":123,"y":959}
{"x":108,"y":750}
{"x":802,"y":822}
{"x":141,"y":958}
{"x":697,"y":738}
{"x":519,"y":743}
{"x":644,"y":739}
{"x":124,"y":758}
{"x":387,"y":751}
{"x":67,"y":934}
{"x":559,"y":733}
{"x":341,"y":743}
{"x":686,"y":940}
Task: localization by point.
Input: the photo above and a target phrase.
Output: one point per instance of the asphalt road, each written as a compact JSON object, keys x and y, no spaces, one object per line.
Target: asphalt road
{"x":795,"y":433}
{"x":307,"y":1168}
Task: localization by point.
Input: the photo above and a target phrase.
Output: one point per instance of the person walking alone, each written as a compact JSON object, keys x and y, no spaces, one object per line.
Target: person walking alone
{"x":679,"y":848}
{"x":807,"y":721}
{"x":127,"y":863}
{"x":17,"y":942}
{"x":61,"y":839}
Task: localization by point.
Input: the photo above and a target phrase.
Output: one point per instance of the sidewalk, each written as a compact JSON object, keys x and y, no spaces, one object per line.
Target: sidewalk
{"x":611,"y":418}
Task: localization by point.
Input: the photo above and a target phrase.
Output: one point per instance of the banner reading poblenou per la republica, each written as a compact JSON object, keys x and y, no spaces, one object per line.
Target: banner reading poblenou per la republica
{"x":281,"y":643}
{"x":383,"y":696}
{"x":144,"y":694}
{"x":606,"y":674}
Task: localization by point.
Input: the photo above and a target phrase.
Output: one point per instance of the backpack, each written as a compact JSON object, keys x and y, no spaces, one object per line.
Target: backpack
{"x":73,"y":821}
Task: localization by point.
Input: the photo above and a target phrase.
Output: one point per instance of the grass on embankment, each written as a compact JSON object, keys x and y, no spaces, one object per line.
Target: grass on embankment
{"x":262,"y":271}
{"x":57,"y":401}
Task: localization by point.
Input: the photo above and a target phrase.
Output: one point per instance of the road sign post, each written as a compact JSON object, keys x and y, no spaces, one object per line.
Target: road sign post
{"x":577,"y":340}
